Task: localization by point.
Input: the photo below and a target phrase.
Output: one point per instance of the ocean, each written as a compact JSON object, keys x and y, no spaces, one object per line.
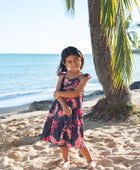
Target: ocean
{"x":25,"y":78}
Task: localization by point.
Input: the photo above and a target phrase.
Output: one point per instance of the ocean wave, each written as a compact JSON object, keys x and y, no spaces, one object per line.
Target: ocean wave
{"x":11,"y":95}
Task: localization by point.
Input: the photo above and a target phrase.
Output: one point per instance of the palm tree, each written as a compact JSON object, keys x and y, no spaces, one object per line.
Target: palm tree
{"x":113,"y":59}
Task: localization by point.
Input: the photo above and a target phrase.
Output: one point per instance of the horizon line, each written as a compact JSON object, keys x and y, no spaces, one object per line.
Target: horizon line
{"x":39,"y":53}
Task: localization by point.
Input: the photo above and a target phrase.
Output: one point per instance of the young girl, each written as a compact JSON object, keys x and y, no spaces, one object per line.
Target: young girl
{"x":64,"y":124}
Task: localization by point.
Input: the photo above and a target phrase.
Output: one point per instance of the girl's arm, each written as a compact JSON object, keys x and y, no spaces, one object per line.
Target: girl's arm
{"x":76,"y":92}
{"x":61,"y":100}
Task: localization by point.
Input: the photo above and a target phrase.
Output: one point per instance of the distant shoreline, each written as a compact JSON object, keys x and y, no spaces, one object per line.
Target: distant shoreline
{"x":89,"y":101}
{"x":6,"y":111}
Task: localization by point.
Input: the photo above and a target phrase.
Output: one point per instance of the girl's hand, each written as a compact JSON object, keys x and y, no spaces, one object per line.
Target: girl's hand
{"x":67,"y":110}
{"x":56,"y":95}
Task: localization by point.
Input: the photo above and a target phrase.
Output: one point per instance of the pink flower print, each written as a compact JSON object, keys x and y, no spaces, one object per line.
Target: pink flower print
{"x":69,"y":88}
{"x":53,"y":140}
{"x":60,"y":113}
{"x":54,"y":125}
{"x":47,"y":119}
{"x":76,"y":83}
{"x":81,"y":97}
{"x":74,"y":104}
{"x":69,"y":145}
{"x":61,"y":137}
{"x":69,"y":133}
{"x":52,"y":130}
{"x":64,"y":128}
{"x":81,"y":121}
{"x":50,"y":115}
{"x":79,"y":112}
{"x":46,"y":139}
{"x":78,"y":142}
{"x":78,"y":122}
{"x":61,"y":142}
{"x":65,"y":82}
{"x":56,"y":108}
{"x":69,"y":82}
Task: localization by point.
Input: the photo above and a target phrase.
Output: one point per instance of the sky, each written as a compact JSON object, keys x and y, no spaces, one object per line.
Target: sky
{"x":44,"y":26}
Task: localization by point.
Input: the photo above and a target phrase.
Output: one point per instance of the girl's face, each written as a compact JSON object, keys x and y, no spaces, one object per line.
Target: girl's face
{"x":73,"y":62}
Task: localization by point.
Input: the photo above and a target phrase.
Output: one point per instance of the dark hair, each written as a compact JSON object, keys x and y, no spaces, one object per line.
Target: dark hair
{"x":67,"y":52}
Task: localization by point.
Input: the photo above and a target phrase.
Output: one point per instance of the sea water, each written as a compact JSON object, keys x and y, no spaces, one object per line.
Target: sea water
{"x":25,"y":78}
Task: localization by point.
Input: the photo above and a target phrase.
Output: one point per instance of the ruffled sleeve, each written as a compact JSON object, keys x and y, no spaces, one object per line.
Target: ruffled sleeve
{"x":87,"y":75}
{"x":60,"y":73}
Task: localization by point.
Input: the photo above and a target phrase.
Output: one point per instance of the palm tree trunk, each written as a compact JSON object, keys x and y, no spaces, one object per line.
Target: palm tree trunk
{"x":102,"y":57}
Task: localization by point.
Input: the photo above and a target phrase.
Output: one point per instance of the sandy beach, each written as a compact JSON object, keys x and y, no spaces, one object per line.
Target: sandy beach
{"x":114,"y":146}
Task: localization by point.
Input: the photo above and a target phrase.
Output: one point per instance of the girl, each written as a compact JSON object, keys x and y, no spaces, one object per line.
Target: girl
{"x":64,"y":124}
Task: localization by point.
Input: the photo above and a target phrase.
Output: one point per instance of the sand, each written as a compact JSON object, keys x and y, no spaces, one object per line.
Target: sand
{"x":114,"y":146}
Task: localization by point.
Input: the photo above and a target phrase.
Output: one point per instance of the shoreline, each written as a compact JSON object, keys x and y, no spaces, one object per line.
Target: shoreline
{"x":89,"y":101}
{"x":4,"y":111}
{"x":7,"y":111}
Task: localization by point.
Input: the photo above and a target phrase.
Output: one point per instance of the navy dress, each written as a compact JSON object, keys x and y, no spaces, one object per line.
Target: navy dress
{"x":59,"y":129}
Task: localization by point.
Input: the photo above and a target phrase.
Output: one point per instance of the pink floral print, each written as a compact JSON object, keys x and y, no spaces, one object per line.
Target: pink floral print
{"x":59,"y":129}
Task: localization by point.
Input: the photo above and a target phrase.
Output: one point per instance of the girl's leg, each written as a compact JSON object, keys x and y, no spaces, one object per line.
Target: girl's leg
{"x":85,"y":152}
{"x":65,"y":153}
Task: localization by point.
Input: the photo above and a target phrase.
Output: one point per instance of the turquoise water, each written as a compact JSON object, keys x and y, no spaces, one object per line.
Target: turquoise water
{"x":25,"y":78}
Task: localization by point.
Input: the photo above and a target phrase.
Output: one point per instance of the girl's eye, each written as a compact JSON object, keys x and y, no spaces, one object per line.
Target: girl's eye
{"x":69,"y":62}
{"x":77,"y":59}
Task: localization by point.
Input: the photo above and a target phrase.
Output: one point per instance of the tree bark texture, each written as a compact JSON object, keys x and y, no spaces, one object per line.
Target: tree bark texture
{"x":102,"y":57}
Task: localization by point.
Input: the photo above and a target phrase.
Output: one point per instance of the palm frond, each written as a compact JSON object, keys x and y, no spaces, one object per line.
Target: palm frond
{"x":70,"y":4}
{"x":113,"y":22}
{"x":137,"y":4}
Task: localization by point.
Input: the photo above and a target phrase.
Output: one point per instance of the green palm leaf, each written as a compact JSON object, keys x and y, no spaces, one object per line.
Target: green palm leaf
{"x":113,"y":16}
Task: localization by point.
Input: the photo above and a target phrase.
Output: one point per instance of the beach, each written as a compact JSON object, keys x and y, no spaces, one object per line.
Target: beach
{"x":114,"y":146}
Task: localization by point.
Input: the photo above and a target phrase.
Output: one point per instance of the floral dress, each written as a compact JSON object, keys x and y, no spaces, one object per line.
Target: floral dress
{"x":60,"y":129}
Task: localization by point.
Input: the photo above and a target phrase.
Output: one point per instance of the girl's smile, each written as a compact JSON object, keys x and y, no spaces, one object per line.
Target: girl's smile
{"x":73,"y":62}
